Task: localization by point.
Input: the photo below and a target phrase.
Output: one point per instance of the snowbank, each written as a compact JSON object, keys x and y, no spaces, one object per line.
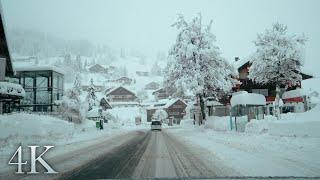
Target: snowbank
{"x":218,"y":123}
{"x":242,"y":154}
{"x":31,"y":128}
{"x":23,"y":128}
{"x":291,"y":124}
{"x":223,"y":123}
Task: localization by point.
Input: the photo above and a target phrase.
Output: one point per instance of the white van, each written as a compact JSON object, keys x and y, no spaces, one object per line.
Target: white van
{"x":156,"y":125}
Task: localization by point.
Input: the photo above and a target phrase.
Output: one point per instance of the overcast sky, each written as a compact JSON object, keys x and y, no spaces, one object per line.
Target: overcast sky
{"x":145,"y":24}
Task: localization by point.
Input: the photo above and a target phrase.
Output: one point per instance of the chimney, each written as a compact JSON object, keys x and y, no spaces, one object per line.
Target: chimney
{"x":236,"y":59}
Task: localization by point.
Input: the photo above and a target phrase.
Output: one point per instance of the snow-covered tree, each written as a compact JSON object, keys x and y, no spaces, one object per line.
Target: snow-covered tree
{"x":161,"y":115}
{"x":77,"y":64}
{"x":91,"y":97}
{"x":67,"y":60}
{"x":77,"y":84}
{"x":71,"y":106}
{"x":278,"y":59}
{"x":195,"y":64}
{"x":85,"y":65}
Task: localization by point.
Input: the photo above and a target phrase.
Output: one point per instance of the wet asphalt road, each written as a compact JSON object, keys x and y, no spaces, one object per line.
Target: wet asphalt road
{"x":152,"y":154}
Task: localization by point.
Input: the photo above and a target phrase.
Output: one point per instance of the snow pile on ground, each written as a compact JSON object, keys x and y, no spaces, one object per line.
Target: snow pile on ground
{"x":29,"y":128}
{"x":34,"y":129}
{"x":252,"y":154}
{"x":223,"y":123}
{"x":217,"y":123}
{"x":291,"y":124}
{"x":187,"y":123}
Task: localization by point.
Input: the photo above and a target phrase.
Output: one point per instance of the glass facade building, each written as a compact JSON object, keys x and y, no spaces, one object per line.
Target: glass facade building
{"x":42,"y":89}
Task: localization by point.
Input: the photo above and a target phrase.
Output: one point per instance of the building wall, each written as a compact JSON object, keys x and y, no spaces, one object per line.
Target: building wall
{"x":177,"y":110}
{"x":121,"y":98}
{"x":121,"y":95}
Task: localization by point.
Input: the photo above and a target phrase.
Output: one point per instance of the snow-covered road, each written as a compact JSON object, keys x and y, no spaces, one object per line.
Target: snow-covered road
{"x":148,"y":154}
{"x":183,"y":152}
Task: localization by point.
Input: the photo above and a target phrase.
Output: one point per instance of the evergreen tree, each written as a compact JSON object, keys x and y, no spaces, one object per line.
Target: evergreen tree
{"x":75,"y":91}
{"x":91,"y":97}
{"x":77,"y":64}
{"x":67,"y":60}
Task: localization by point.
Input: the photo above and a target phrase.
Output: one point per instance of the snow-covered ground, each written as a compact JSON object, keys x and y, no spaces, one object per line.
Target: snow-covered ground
{"x":33,"y":129}
{"x":287,"y":147}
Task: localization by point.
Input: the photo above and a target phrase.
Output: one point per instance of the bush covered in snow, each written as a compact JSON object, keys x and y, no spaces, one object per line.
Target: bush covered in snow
{"x":71,"y":107}
{"x":161,"y":115}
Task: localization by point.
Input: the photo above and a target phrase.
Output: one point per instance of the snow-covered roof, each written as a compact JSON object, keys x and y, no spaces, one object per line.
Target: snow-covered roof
{"x":240,"y":62}
{"x":213,"y":103}
{"x":110,"y":90}
{"x":11,"y":89}
{"x":164,"y":103}
{"x":172,"y":101}
{"x":30,"y":67}
{"x":294,"y":93}
{"x":245,"y":98}
{"x":159,"y":89}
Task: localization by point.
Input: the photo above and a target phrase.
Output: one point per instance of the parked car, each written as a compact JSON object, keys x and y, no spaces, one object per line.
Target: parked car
{"x":156,"y":125}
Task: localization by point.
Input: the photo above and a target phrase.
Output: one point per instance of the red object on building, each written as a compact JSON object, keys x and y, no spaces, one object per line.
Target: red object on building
{"x":295,"y":99}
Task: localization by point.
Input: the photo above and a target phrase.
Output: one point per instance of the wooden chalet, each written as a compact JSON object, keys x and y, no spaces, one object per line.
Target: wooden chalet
{"x":152,"y":86}
{"x":120,"y":94}
{"x":124,"y":80}
{"x":97,"y":68}
{"x":268,"y":90}
{"x":161,"y":93}
{"x":176,"y":109}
